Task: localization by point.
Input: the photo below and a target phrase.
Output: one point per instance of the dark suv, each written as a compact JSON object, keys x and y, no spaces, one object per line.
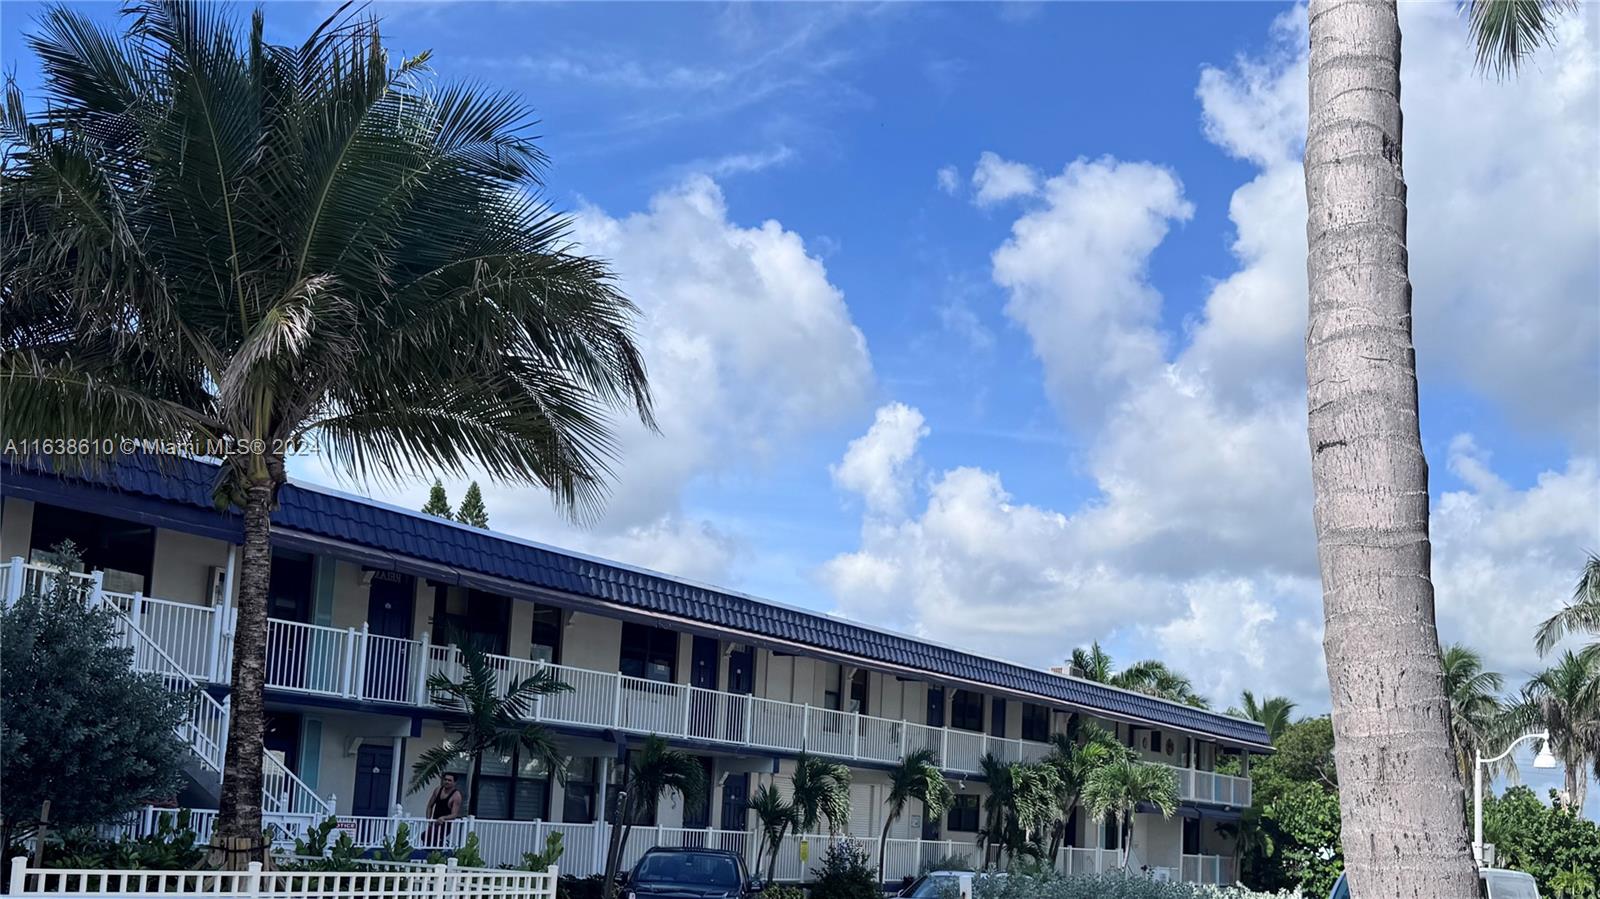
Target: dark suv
{"x":665,"y":873}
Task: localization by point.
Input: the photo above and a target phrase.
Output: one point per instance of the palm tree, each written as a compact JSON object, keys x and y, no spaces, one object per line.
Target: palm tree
{"x":256,"y":249}
{"x":1475,"y":711}
{"x":1564,"y":699}
{"x":1021,"y":805}
{"x":1582,"y":613}
{"x":820,"y":791}
{"x":1120,"y":787}
{"x":651,"y":773}
{"x":776,"y":816}
{"x":1093,"y":663}
{"x":1271,"y":713}
{"x":915,"y":776}
{"x":1404,"y":825}
{"x":1149,"y":676}
{"x":1075,"y":757}
{"x":492,"y":720}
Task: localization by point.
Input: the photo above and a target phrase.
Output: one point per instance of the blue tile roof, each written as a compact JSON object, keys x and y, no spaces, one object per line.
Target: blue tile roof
{"x":473,"y":552}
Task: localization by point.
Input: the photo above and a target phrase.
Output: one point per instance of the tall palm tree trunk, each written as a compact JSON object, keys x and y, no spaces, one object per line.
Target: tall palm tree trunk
{"x":1404,"y":826}
{"x":238,"y":829}
{"x":883,"y":841}
{"x":772,"y":863}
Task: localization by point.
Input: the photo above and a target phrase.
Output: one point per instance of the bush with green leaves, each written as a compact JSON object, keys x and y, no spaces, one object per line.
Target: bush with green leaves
{"x":84,"y":731}
{"x":171,"y":848}
{"x":1107,"y":886}
{"x":569,"y":887}
{"x":543,"y":859}
{"x":1547,"y":841}
{"x":783,"y":891}
{"x":846,"y":872}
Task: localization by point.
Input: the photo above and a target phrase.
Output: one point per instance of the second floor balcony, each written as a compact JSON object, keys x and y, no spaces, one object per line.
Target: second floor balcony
{"x":357,"y":665}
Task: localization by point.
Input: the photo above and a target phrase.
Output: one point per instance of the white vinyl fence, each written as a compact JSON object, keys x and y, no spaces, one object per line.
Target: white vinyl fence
{"x":375,"y":881}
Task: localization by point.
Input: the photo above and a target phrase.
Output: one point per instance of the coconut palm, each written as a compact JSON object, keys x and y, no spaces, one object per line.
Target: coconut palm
{"x":490,"y":719}
{"x":1149,"y":676}
{"x":1475,"y":710}
{"x":916,"y":776}
{"x":257,"y":249}
{"x":1564,"y":699}
{"x":1119,"y":788}
{"x":1582,"y":613}
{"x":776,"y":816}
{"x":652,"y":772}
{"x":1272,"y":712}
{"x":1075,"y":756}
{"x":820,"y":791}
{"x":1404,"y":825}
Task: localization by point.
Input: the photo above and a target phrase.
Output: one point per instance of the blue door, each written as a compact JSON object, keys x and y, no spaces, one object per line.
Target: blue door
{"x":389,"y":601}
{"x":741,"y":681}
{"x":374,"y":768}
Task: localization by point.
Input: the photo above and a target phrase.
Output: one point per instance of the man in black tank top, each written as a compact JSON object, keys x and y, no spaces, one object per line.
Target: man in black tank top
{"x":444,"y":805}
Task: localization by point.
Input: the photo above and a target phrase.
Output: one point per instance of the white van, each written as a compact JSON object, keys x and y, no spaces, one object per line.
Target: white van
{"x":1498,"y":883}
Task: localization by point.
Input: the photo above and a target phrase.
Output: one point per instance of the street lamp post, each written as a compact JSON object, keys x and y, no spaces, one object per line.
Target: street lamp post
{"x":1543,"y":760}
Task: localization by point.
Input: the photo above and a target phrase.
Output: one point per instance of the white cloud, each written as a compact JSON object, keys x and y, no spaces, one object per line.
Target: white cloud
{"x":1197,"y":545}
{"x":748,"y":346}
{"x":948,"y":179}
{"x":996,"y":180}
{"x":1075,"y":269}
{"x":875,"y":465}
{"x":743,"y":163}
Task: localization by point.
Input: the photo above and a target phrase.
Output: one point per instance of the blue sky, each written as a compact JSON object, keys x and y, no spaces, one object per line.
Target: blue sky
{"x":983,"y":321}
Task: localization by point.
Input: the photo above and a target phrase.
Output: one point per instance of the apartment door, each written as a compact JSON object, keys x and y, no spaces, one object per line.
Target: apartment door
{"x":697,"y":816}
{"x":741,"y":682}
{"x":389,"y":606}
{"x":289,"y":594}
{"x":735,"y":799}
{"x":706,"y":709}
{"x":374,"y":777}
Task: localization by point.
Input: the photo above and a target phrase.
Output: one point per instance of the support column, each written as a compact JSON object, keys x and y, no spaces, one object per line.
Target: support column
{"x":394,"y":770}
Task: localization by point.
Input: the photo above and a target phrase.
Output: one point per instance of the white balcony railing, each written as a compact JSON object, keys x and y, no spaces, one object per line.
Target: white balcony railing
{"x":1217,"y":870}
{"x":353,"y":663}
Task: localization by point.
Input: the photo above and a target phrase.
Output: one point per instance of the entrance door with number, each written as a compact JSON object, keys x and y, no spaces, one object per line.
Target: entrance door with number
{"x":374,"y":773}
{"x":389,"y":602}
{"x":706,"y":707}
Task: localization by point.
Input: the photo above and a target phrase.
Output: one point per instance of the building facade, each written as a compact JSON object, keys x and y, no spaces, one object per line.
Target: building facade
{"x":367,"y":601}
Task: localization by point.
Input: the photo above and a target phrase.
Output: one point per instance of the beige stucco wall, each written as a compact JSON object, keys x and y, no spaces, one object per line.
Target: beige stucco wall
{"x":182,"y":568}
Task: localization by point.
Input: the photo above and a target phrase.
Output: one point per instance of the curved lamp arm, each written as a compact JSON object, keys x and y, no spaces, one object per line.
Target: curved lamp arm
{"x":1542,"y":735}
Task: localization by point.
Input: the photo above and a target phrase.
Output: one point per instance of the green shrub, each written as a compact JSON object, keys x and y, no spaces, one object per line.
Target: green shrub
{"x":171,"y":848}
{"x":541,"y":861}
{"x":783,"y":891}
{"x":846,"y":873}
{"x":1107,"y":886}
{"x":569,"y":887}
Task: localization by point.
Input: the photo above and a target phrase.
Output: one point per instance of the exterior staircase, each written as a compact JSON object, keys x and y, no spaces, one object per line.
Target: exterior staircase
{"x":205,"y":729}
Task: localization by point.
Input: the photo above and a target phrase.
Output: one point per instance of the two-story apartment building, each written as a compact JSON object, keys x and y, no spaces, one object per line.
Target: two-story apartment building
{"x":367,"y":600}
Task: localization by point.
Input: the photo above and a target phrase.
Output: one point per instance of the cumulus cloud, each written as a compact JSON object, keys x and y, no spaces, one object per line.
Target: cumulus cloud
{"x":876,"y":464}
{"x":1075,"y":269}
{"x":748,"y":346}
{"x":996,"y":180}
{"x":1197,"y":544}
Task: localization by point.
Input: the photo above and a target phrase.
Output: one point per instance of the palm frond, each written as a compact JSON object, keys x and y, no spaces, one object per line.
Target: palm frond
{"x":1506,"y":32}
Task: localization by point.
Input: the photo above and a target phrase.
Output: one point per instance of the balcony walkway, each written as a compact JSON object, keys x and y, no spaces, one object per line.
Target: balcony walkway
{"x":354,"y":664}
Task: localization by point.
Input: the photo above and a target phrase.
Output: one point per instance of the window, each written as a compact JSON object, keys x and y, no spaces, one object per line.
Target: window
{"x":577,"y":801}
{"x":997,"y":717}
{"x":649,"y":652}
{"x":1191,"y":836}
{"x":1155,"y":743}
{"x":830,"y":696}
{"x":858,"y":691}
{"x":1113,"y":832}
{"x":935,"y":706}
{"x":123,"y":550}
{"x":697,"y":816}
{"x":513,"y":788}
{"x":546,"y":638}
{"x":1035,"y":723}
{"x":471,"y":616}
{"x":966,"y":710}
{"x":964,"y":814}
{"x":644,"y":812}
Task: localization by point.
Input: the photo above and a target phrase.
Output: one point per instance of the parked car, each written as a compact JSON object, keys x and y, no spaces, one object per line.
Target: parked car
{"x":1498,"y":883}
{"x":670,"y":873}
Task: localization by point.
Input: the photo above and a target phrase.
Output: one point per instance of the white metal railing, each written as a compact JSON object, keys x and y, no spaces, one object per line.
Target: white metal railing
{"x":387,"y":880}
{"x":1217,"y":870}
{"x":1074,"y":860}
{"x":356,"y":664}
